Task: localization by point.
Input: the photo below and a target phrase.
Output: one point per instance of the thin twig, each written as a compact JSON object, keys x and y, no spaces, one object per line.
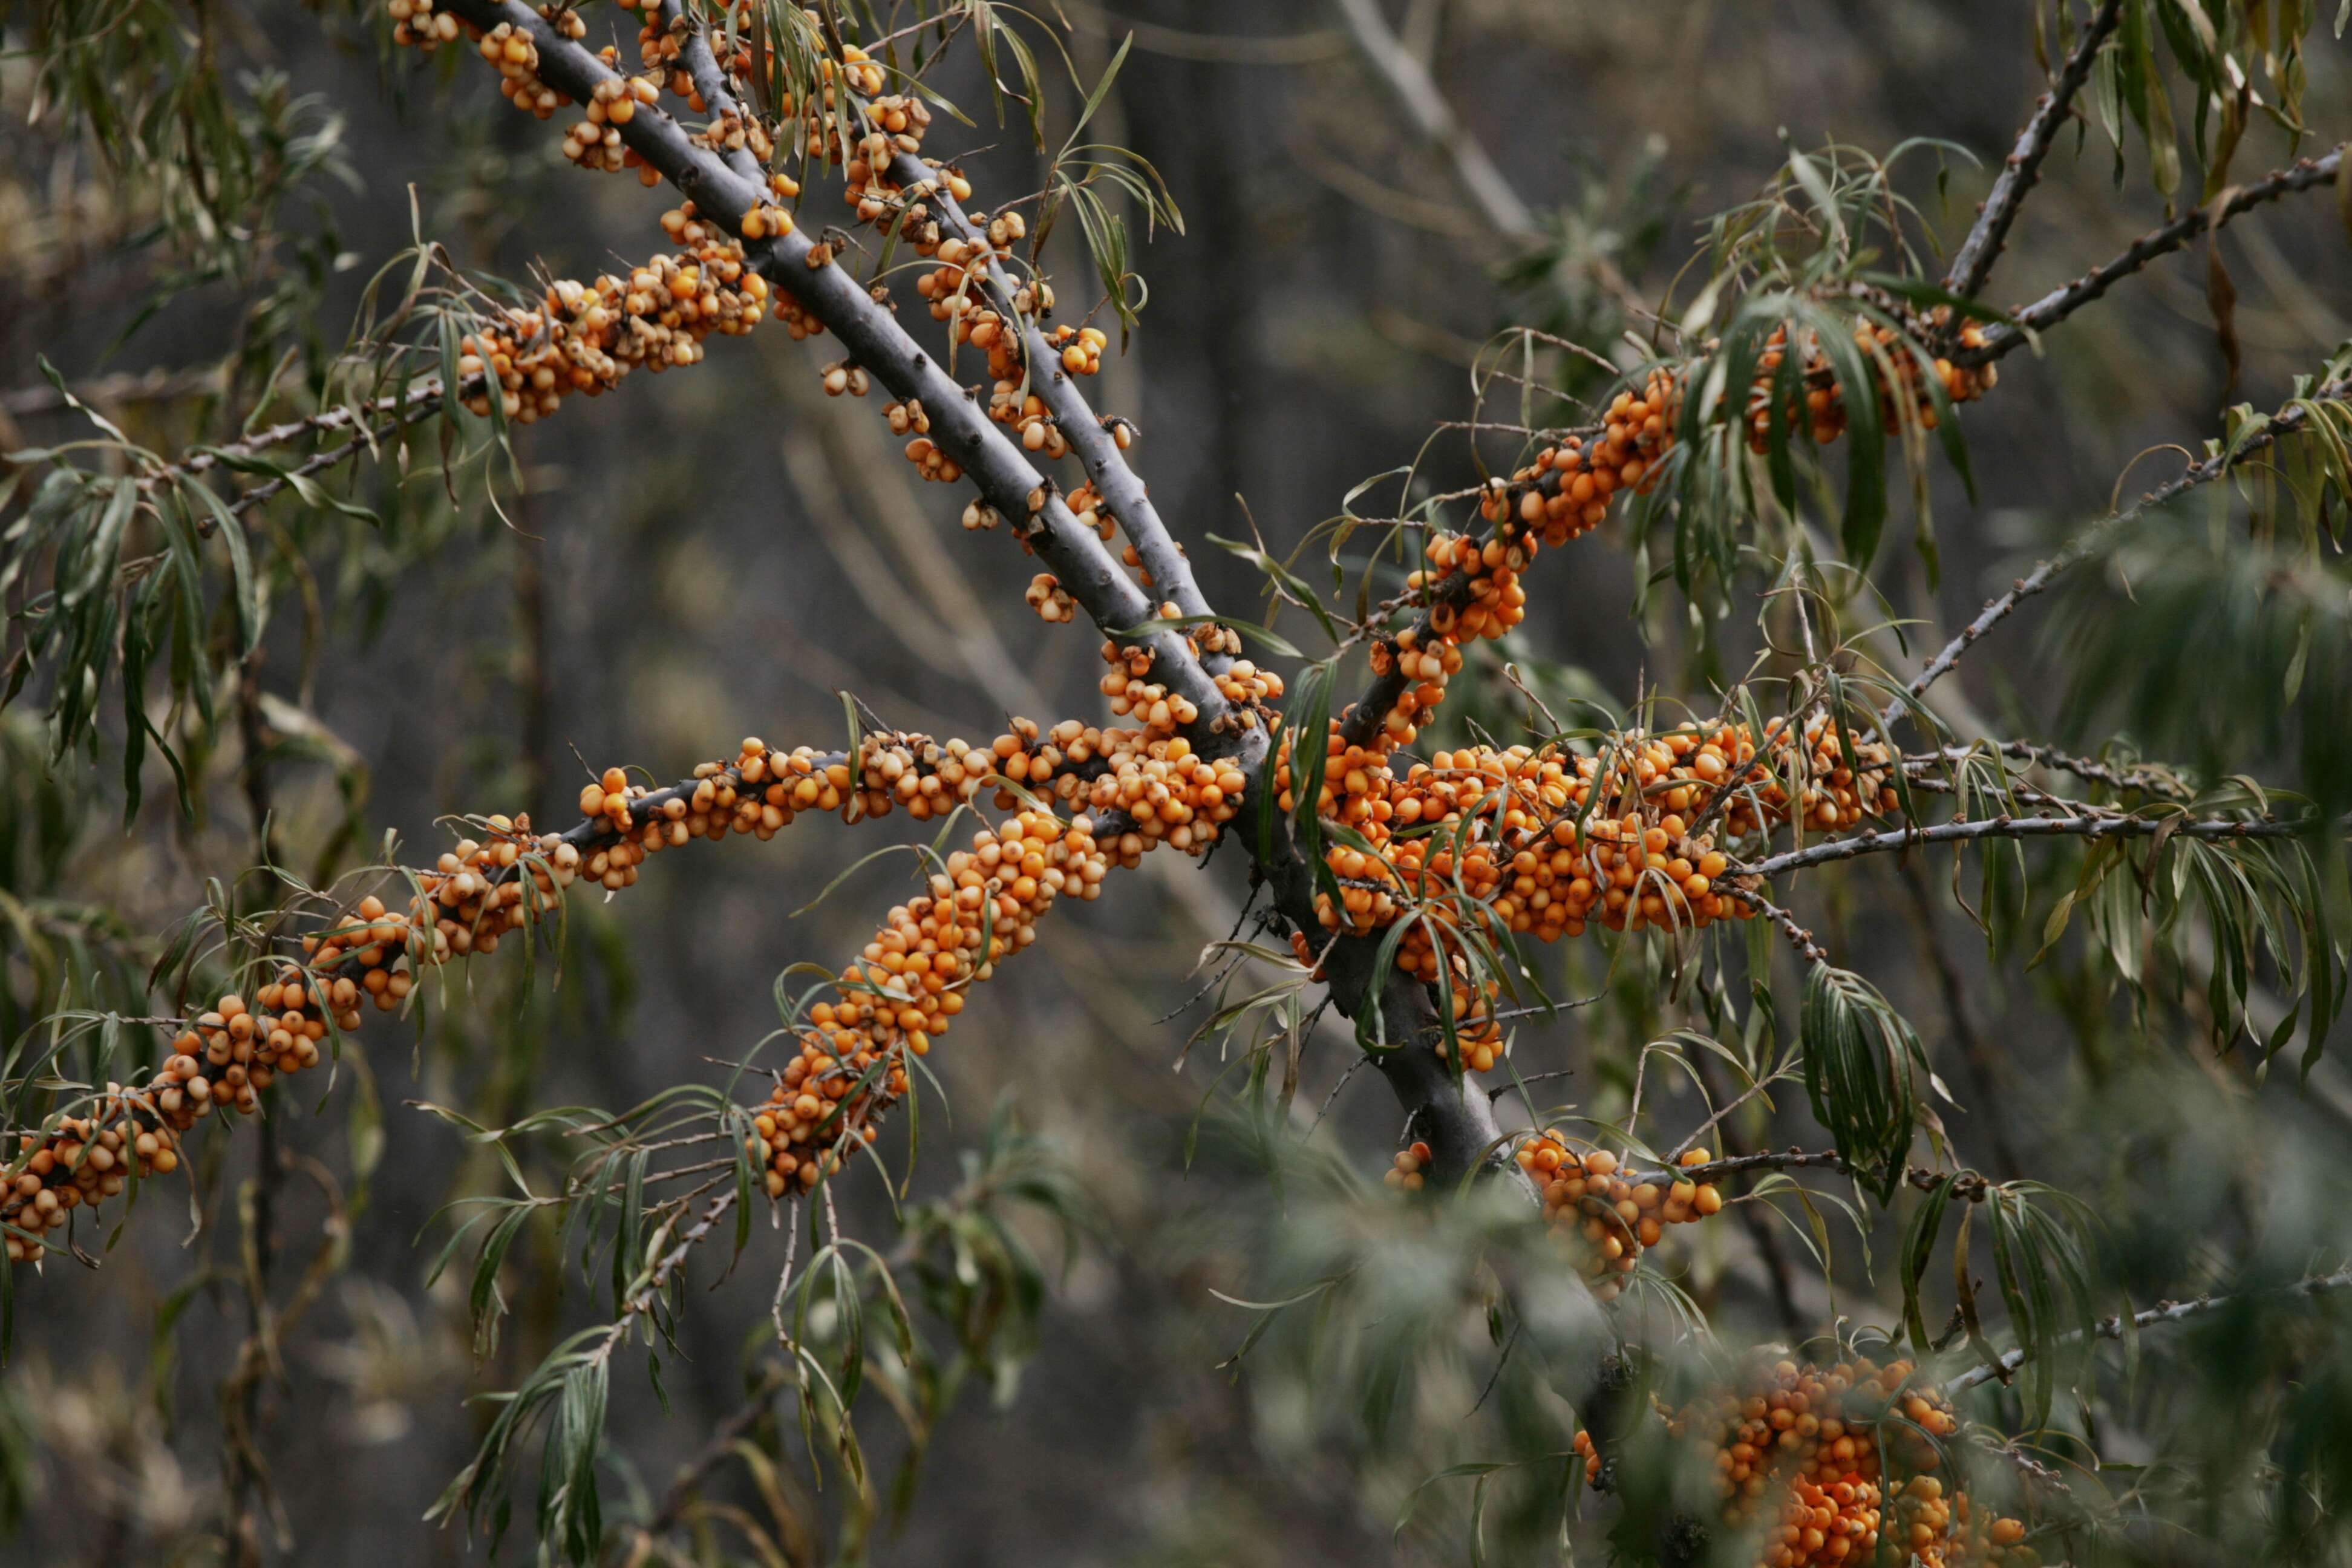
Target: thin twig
{"x":2064,"y":300}
{"x":2286,"y":422}
{"x":2167,"y":1312}
{"x":2019,"y":827}
{"x":1972,"y":263}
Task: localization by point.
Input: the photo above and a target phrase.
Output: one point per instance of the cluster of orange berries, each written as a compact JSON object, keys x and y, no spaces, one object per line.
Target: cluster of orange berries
{"x":1610,"y":1216}
{"x":1093,"y":513}
{"x":1407,"y":1171}
{"x":1542,"y":842}
{"x":908,"y":985}
{"x":594,"y":141}
{"x":1802,"y":1459}
{"x":907,"y":418}
{"x":225,"y":1056}
{"x":1472,"y":586}
{"x":1081,"y":348}
{"x":586,"y":338}
{"x":1051,"y":600}
{"x":1823,"y":409}
{"x":516,"y":57}
{"x":895,"y":124}
{"x":1568,"y":490}
{"x":84,"y":1161}
{"x":1148,"y":783}
{"x":415,"y":24}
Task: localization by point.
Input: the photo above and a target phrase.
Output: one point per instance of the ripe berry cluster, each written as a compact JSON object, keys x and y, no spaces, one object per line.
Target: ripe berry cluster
{"x":908,"y":985}
{"x":1543,"y":842}
{"x":1821,"y":1465}
{"x":1608,"y":1216}
{"x":1822,"y":411}
{"x":586,"y":338}
{"x":1471,"y":588}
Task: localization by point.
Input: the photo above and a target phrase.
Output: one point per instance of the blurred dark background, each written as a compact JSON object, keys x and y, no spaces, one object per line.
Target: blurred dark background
{"x":717,"y":552}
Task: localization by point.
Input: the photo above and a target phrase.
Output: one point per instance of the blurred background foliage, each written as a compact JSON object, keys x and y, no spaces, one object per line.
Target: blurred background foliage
{"x":1165,"y":1314}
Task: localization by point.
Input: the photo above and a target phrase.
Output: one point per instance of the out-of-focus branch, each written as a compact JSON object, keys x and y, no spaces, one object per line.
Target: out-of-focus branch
{"x":2169,"y":1313}
{"x":158,"y":385}
{"x":2064,"y":302}
{"x":1973,"y":262}
{"x":1402,"y":71}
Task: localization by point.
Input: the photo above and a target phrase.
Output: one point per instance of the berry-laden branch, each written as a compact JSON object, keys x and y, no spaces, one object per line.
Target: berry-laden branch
{"x":1147,"y":783}
{"x":2287,"y":421}
{"x":2112,"y":1328}
{"x":1973,"y":262}
{"x":1051,"y":367}
{"x":736,"y":214}
{"x":2064,"y":302}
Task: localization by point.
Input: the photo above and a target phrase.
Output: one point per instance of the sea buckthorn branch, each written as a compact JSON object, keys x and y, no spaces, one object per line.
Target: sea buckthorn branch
{"x":1965,"y":1184}
{"x":1541,"y":841}
{"x":2144,"y":780}
{"x":1046,"y":365}
{"x":2054,"y":307}
{"x":1799,"y":936}
{"x":876,"y":343}
{"x":1472,"y":586}
{"x":1973,"y":262}
{"x":1051,"y":370}
{"x":1546,"y":840}
{"x":2112,"y":1328}
{"x":2084,"y":827}
{"x":510,"y":879}
{"x":1605,"y":1213}
{"x":420,"y":401}
{"x":979,"y":907}
{"x":2287,"y":421}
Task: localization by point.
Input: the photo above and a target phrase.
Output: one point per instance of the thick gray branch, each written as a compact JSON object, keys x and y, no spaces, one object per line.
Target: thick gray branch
{"x":959,"y":425}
